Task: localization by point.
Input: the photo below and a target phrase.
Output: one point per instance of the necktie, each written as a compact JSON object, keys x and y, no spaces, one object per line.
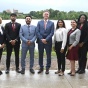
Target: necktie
{"x":29,"y":29}
{"x":45,"y":23}
{"x":13,"y":26}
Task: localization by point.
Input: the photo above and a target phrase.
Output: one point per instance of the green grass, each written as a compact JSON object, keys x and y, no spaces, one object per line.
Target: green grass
{"x":35,"y":53}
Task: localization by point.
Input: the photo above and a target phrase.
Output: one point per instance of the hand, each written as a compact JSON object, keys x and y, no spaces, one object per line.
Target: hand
{"x":62,"y":50}
{"x":2,"y":46}
{"x":44,"y":41}
{"x":28,"y":42}
{"x":13,"y":42}
{"x":70,"y":47}
{"x":81,"y":44}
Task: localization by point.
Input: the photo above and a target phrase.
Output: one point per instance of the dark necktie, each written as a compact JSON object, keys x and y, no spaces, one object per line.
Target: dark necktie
{"x":13,"y":26}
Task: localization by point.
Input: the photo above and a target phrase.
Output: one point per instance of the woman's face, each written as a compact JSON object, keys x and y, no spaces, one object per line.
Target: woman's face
{"x":82,"y":19}
{"x":73,"y":24}
{"x":60,"y":23}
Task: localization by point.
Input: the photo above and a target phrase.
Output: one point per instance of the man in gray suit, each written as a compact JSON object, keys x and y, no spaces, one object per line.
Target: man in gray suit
{"x":28,"y":37}
{"x":45,"y":31}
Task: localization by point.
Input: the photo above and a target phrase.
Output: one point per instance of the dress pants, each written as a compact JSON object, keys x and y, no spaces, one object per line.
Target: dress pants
{"x":60,"y":56}
{"x":23,"y":56}
{"x":9,"y":49}
{"x":82,"y":57}
{"x":47,"y":48}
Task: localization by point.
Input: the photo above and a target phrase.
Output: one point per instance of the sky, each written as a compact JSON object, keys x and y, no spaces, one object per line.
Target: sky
{"x":26,"y":6}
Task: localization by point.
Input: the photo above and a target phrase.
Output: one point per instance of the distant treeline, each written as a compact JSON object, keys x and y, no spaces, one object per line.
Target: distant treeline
{"x":54,"y":14}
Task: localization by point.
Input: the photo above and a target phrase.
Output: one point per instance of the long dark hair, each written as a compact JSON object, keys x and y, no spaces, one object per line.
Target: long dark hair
{"x":80,"y":17}
{"x":57,"y":26}
{"x":85,"y":22}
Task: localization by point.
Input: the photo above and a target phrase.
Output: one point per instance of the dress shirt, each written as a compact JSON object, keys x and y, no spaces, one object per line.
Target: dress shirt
{"x":1,"y":30}
{"x":60,"y":35}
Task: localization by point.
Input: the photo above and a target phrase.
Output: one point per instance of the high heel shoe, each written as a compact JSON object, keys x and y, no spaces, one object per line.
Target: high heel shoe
{"x":57,"y":72}
{"x":61,"y":74}
{"x":69,"y":73}
{"x":72,"y":74}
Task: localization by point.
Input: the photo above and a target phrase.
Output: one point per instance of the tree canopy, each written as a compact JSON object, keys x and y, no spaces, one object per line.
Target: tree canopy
{"x":54,"y":14}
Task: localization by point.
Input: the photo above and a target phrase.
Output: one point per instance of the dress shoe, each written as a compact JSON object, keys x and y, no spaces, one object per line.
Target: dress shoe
{"x":81,"y":71}
{"x":18,"y":71}
{"x":7,"y":71}
{"x":40,"y":70}
{"x":77,"y":71}
{"x":32,"y":71}
{"x":47,"y":71}
{"x":1,"y":73}
{"x":22,"y":71}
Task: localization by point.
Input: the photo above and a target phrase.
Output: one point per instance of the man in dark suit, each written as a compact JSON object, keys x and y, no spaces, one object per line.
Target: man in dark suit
{"x":12,"y":41}
{"x":45,"y":31}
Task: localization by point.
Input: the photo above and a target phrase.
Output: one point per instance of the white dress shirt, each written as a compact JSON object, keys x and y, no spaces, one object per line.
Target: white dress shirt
{"x":60,"y":35}
{"x":1,"y":30}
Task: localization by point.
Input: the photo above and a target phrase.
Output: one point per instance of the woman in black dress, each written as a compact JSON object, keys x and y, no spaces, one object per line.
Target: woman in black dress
{"x":2,"y":40}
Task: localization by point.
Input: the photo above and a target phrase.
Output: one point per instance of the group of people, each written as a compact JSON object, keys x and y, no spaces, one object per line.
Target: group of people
{"x":70,"y":43}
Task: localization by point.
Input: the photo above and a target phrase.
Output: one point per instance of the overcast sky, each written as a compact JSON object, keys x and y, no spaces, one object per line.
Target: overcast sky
{"x":26,"y":6}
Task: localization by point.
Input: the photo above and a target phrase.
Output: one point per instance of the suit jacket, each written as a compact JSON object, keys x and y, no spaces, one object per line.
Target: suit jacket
{"x":43,"y":33}
{"x":2,"y":36}
{"x":10,"y":34}
{"x":84,"y":33}
{"x":27,"y":34}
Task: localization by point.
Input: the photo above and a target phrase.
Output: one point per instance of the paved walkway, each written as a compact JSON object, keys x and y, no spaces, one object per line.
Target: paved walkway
{"x":28,"y":80}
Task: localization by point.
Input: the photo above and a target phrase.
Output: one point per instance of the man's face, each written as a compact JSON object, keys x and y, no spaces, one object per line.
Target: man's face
{"x":46,"y":15}
{"x":13,"y":18}
{"x":28,"y":20}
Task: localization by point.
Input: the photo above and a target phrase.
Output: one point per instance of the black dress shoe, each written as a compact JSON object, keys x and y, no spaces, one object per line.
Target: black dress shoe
{"x":22,"y":71}
{"x":7,"y":71}
{"x":47,"y":71}
{"x":77,"y":71}
{"x":32,"y":71}
{"x":40,"y":70}
{"x":18,"y":71}
{"x":1,"y":73}
{"x":81,"y":71}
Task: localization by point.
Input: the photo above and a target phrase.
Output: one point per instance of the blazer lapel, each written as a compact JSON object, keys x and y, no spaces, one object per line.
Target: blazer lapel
{"x":43,"y":24}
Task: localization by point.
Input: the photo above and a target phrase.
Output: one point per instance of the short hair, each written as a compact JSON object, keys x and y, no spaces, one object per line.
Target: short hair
{"x":46,"y":11}
{"x":28,"y":16}
{"x":13,"y":14}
